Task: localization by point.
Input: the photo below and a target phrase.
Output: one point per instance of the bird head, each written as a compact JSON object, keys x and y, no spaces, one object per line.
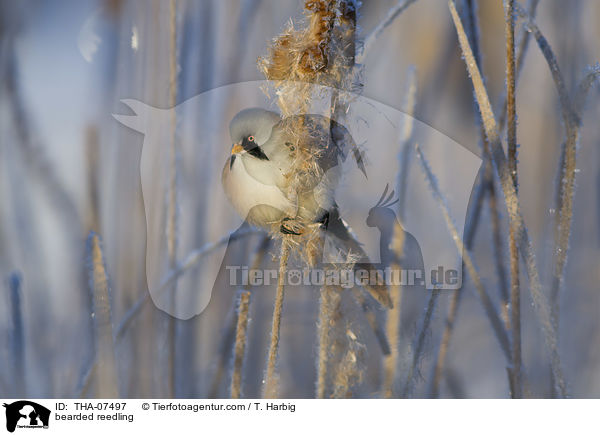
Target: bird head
{"x":249,"y":130}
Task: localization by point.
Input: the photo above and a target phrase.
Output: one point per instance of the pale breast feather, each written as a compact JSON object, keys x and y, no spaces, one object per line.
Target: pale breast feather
{"x":261,"y":204}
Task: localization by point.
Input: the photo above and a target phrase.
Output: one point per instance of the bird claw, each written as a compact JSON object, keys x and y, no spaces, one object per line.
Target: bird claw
{"x":291,"y":227}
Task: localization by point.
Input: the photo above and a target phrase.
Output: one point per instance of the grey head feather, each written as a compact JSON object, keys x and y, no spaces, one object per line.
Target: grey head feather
{"x":255,"y":122}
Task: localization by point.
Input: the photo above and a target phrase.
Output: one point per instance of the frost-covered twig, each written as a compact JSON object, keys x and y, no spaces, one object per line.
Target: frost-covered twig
{"x":240,"y":343}
{"x":521,"y":52}
{"x":585,"y":85}
{"x":271,"y":380}
{"x":419,"y":345}
{"x":389,"y":18}
{"x":328,"y":308}
{"x":392,"y":326}
{"x":189,"y":261}
{"x":228,"y":335}
{"x":410,"y":100}
{"x":571,"y":119}
{"x":438,"y":368}
{"x":512,"y":203}
{"x":486,"y":301}
{"x":17,"y":337}
{"x":515,"y":291}
{"x":486,"y":187}
{"x":172,"y":202}
{"x":106,"y":372}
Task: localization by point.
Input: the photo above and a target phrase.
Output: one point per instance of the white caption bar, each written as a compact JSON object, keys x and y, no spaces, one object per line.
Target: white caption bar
{"x":297,"y":416}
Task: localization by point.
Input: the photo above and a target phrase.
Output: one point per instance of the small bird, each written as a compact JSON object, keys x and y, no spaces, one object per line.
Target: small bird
{"x":282,"y":174}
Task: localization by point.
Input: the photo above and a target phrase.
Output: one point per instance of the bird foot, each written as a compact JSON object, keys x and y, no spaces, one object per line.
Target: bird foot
{"x":291,"y":226}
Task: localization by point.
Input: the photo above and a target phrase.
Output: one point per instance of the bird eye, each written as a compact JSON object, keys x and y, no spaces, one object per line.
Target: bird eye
{"x":251,"y":138}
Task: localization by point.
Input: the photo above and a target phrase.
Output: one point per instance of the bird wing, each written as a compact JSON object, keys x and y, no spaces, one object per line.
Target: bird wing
{"x":327,"y":140}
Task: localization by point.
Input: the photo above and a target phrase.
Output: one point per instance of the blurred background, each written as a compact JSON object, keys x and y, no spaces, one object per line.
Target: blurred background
{"x":67,"y":167}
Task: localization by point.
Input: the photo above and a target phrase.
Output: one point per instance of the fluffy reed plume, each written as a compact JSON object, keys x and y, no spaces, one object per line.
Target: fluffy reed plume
{"x":350,"y":370}
{"x":511,"y":136}
{"x":106,"y":371}
{"x":317,"y":53}
{"x":512,"y":203}
{"x":239,"y":353}
{"x":17,"y":339}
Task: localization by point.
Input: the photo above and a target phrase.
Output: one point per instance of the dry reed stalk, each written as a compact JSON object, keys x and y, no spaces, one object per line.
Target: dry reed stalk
{"x":393,"y":320}
{"x":392,"y":326}
{"x":167,"y":283}
{"x":521,"y":52}
{"x":486,"y":301}
{"x":512,"y":203}
{"x":329,"y":315}
{"x":17,"y":337}
{"x":488,"y":187}
{"x":438,"y":369}
{"x":393,"y":13}
{"x":323,"y":335}
{"x":172,"y":205}
{"x":567,"y":171}
{"x":296,"y":59}
{"x":369,"y":311}
{"x":271,"y":381}
{"x":239,"y":353}
{"x":92,"y":151}
{"x":34,"y":153}
{"x":390,"y":363}
{"x":584,"y":87}
{"x":85,"y":383}
{"x":515,"y":291}
{"x":419,"y":345}
{"x":228,"y":335}
{"x":469,"y":237}
{"x":106,"y":372}
{"x":570,"y":110}
{"x":350,"y":370}
{"x":410,"y":102}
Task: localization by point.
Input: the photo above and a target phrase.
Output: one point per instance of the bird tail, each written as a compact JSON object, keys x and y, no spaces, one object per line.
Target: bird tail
{"x":337,"y":227}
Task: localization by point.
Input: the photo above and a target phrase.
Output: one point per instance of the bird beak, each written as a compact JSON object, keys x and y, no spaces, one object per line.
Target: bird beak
{"x":236,"y":148}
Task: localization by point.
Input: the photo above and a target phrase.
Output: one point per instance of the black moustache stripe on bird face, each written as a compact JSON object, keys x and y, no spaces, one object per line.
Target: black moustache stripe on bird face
{"x":253,"y":149}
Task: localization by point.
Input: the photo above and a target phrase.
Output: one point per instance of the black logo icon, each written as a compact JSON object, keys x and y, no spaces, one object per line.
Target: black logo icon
{"x":26,"y":414}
